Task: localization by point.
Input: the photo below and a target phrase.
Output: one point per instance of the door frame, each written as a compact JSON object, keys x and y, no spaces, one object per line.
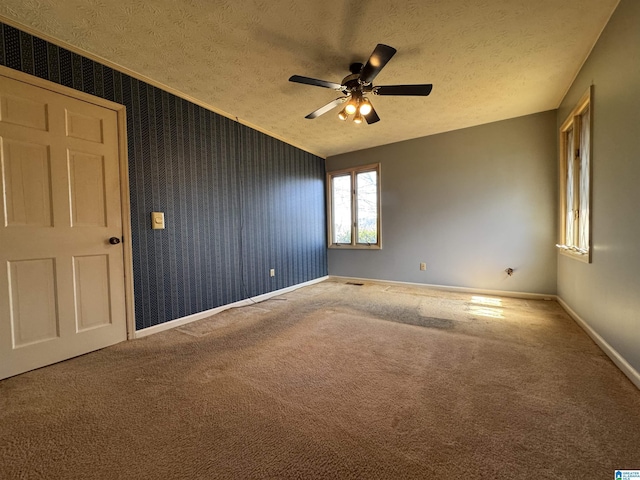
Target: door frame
{"x":123,"y":160}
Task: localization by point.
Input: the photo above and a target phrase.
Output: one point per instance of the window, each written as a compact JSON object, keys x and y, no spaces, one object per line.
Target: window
{"x":354,"y":207}
{"x":575,"y":181}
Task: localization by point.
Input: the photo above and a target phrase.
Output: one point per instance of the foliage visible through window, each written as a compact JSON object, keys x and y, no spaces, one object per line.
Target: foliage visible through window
{"x":575,"y":181}
{"x":354,"y":202}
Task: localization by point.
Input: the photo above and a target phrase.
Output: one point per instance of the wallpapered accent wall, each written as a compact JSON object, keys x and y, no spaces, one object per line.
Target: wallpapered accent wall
{"x":237,"y":202}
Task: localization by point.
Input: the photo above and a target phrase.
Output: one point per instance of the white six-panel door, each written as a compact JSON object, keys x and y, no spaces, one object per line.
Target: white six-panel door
{"x":61,"y":282}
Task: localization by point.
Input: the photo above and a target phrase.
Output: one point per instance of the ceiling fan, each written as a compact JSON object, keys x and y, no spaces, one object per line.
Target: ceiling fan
{"x":356,"y":86}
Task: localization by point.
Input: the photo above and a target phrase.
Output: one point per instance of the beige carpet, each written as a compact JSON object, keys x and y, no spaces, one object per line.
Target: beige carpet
{"x":333,"y":381}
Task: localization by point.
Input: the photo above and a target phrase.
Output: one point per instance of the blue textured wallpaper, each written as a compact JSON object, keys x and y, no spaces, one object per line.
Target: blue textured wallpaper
{"x":236,"y":202}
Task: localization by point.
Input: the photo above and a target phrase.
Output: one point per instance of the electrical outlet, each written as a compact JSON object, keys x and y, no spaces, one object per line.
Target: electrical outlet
{"x":272,"y":272}
{"x":423,"y":266}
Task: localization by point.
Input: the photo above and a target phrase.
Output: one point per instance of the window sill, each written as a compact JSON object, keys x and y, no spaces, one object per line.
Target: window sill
{"x":581,"y":257}
{"x":346,"y":246}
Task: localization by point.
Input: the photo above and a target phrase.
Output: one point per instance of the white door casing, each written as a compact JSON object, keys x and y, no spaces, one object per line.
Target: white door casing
{"x":62,"y":284}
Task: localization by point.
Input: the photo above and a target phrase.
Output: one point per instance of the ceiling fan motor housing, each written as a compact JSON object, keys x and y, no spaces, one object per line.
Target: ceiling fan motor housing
{"x":351,"y":82}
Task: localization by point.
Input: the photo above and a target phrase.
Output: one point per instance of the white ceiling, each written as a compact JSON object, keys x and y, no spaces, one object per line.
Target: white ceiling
{"x":488,"y":60}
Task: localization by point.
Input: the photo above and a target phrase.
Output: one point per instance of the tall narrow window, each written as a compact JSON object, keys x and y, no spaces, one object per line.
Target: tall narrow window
{"x":354,"y":207}
{"x":575,"y":181}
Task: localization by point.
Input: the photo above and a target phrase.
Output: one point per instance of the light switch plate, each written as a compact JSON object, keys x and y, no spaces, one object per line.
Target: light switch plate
{"x":157,"y":220}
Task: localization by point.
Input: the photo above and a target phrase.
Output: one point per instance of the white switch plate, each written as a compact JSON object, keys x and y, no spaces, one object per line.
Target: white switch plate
{"x":423,"y":266}
{"x":272,"y":272}
{"x":157,"y":220}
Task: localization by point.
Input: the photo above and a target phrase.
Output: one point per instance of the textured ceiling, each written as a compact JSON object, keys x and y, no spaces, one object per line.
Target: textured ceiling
{"x":488,"y":60}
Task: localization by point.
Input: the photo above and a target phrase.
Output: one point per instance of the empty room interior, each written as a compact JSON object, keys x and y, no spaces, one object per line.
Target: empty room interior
{"x":336,"y":239}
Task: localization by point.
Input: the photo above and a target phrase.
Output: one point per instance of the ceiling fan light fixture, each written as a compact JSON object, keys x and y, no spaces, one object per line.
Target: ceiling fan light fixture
{"x":343,"y":115}
{"x":351,"y":107}
{"x":365,"y":107}
{"x":357,"y":118}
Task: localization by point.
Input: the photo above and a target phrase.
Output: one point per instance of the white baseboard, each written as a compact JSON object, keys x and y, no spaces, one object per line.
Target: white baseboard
{"x":207,"y":313}
{"x":611,"y":352}
{"x":499,"y":293}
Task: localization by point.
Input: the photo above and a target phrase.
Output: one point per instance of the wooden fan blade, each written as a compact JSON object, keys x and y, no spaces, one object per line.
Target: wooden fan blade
{"x":372,"y":116}
{"x":329,"y":106}
{"x":416,"y":90}
{"x":315,"y":82}
{"x":378,"y":59}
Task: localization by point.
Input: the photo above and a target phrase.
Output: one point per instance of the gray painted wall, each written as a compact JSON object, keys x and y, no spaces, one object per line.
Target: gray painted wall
{"x":606,"y":293}
{"x":469,"y":203}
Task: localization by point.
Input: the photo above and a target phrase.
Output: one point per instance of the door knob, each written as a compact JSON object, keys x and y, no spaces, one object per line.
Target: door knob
{"x":114,"y":240}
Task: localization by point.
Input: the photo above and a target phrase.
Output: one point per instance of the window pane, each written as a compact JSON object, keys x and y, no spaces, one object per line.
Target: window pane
{"x":341,"y":215}
{"x":583,"y":234}
{"x":367,"y":198}
{"x":569,"y":215}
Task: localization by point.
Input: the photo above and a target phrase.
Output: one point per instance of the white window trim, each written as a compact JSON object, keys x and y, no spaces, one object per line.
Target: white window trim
{"x":569,"y":250}
{"x":353,"y":171}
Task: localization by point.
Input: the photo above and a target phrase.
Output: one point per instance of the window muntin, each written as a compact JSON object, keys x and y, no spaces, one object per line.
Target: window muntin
{"x":354,"y":207}
{"x":575,"y":181}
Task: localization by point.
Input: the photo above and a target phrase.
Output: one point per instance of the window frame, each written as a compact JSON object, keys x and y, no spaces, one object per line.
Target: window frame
{"x":353,"y":172}
{"x":573,"y":123}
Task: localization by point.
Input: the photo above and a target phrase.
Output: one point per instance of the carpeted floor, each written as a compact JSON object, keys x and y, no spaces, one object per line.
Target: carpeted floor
{"x":333,"y":381}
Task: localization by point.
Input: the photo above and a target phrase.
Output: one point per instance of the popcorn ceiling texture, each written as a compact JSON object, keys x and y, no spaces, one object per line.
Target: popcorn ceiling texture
{"x":489,"y":60}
